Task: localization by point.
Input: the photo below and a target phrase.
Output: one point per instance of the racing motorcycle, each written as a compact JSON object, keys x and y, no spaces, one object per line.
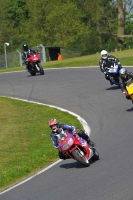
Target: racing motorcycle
{"x":129,"y":88}
{"x":113,"y":72}
{"x":77,"y":148}
{"x":34,"y":64}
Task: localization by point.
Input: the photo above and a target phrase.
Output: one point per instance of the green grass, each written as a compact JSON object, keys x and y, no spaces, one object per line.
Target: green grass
{"x":125,"y":57}
{"x":25,"y":144}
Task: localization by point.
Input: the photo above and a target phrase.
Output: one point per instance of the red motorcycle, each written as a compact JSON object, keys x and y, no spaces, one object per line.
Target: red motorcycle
{"x":77,"y":148}
{"x":34,"y":64}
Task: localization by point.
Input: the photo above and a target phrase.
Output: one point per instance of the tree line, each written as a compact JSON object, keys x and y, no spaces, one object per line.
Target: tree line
{"x":89,"y":25}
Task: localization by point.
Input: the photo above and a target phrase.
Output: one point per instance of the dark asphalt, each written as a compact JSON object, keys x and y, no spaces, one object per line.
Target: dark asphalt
{"x":109,"y":115}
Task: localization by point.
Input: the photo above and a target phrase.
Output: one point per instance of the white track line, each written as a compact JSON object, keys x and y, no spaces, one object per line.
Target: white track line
{"x":82,"y":121}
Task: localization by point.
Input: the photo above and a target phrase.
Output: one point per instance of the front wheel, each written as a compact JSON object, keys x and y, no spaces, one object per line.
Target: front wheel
{"x":80,"y":157}
{"x":41,"y":69}
{"x":96,"y":155}
{"x":31,"y":70}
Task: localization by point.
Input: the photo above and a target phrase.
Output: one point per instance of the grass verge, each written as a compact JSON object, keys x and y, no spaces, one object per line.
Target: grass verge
{"x":125,"y":57}
{"x":25,"y":144}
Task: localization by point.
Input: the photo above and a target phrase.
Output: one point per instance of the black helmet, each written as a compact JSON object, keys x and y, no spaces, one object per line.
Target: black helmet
{"x":25,"y":47}
{"x":123,"y":73}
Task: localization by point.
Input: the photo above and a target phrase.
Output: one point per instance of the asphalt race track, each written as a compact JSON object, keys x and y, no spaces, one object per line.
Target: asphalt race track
{"x":110,"y":117}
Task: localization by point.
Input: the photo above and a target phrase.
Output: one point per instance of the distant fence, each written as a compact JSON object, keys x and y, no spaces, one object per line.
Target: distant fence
{"x":14,"y":59}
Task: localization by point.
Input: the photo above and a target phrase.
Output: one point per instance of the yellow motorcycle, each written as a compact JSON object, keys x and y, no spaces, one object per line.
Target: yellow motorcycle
{"x":129,"y":88}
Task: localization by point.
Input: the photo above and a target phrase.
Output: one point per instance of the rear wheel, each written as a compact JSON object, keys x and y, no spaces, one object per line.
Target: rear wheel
{"x":80,"y":157}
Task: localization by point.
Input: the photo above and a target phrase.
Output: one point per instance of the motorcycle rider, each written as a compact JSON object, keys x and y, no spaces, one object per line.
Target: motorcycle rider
{"x":57,"y":128}
{"x":106,"y":61}
{"x":25,"y":54}
{"x":125,"y":76}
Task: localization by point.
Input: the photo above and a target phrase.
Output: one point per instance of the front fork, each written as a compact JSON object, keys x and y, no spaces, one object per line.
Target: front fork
{"x":37,"y":67}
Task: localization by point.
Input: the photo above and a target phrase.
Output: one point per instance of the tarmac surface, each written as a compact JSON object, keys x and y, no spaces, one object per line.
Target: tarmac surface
{"x":109,"y":114}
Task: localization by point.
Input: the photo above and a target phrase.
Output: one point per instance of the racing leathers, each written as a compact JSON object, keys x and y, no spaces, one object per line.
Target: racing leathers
{"x":25,"y":55}
{"x":124,"y":83}
{"x":70,"y":129}
{"x":103,"y":63}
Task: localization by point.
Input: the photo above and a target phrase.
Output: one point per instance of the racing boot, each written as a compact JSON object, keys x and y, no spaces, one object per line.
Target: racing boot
{"x":90,"y":142}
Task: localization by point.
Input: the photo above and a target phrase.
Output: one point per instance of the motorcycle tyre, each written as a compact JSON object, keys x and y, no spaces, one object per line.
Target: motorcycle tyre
{"x":41,"y":69}
{"x":96,"y":155}
{"x":32,"y":71}
{"x":77,"y":157}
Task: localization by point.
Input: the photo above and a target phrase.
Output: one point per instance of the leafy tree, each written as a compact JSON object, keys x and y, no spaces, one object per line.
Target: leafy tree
{"x":124,"y":9}
{"x":62,"y":24}
{"x":86,"y":24}
{"x":4,"y":35}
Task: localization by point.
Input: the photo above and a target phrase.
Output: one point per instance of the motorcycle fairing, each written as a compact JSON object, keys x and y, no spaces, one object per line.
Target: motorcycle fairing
{"x":34,"y":58}
{"x":114,"y":69}
{"x":113,"y":72}
{"x":130,"y":90}
{"x":77,"y":142}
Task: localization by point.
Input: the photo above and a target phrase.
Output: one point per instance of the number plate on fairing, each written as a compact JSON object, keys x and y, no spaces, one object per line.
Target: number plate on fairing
{"x":112,"y":70}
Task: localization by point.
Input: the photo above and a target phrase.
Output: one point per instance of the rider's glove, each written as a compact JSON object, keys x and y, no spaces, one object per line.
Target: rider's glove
{"x":124,"y":92}
{"x":78,"y":130}
{"x":74,"y":132}
{"x":105,"y":73}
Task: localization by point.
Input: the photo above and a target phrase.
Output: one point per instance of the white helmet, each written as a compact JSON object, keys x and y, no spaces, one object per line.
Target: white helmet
{"x":104,"y":54}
